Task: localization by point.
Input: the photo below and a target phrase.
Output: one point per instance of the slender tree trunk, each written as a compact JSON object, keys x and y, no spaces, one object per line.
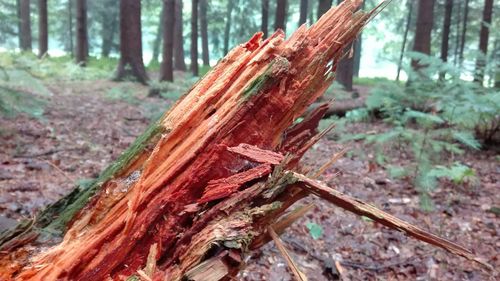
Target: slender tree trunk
{"x":458,"y":21}
{"x":409,"y":3}
{"x":25,"y":25}
{"x":82,"y":51}
{"x":425,"y":18}
{"x":304,"y":4}
{"x":43,"y":32}
{"x":483,"y":41}
{"x":464,"y":31}
{"x":159,"y":35}
{"x":445,"y":35}
{"x":179,"y":63}
{"x":167,"y":66}
{"x":70,"y":28}
{"x":323,"y":7}
{"x":109,"y":26}
{"x":264,"y":26}
{"x":345,"y":68}
{"x":227,"y":29}
{"x":131,"y":63}
{"x":311,"y":16}
{"x":358,"y":45}
{"x":194,"y":37}
{"x":280,"y":18}
{"x":204,"y":33}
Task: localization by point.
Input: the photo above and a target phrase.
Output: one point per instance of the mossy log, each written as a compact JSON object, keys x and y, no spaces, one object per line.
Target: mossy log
{"x":203,"y":184}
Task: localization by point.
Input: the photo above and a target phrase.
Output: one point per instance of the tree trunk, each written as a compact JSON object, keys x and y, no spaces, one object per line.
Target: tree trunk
{"x":109,"y":26}
{"x":483,"y":41}
{"x":458,"y":22}
{"x":43,"y":32}
{"x":25,"y":25}
{"x":445,"y":36}
{"x":208,"y":181}
{"x":464,"y":31}
{"x":194,"y":37}
{"x":304,"y":4}
{"x":70,"y":28}
{"x":82,"y":44}
{"x":227,"y":29}
{"x":179,"y":63}
{"x":409,"y":3}
{"x":204,"y":33}
{"x":280,"y":18}
{"x":345,"y":69}
{"x":323,"y":7}
{"x":167,"y":64}
{"x":264,"y":26}
{"x":422,"y":42}
{"x":131,"y":63}
{"x":159,"y":35}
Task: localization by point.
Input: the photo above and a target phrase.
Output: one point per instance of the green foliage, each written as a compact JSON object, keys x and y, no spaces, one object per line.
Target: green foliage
{"x":315,"y":230}
{"x":14,"y":102}
{"x":124,"y":93}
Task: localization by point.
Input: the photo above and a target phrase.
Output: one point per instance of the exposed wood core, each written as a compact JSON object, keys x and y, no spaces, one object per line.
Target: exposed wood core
{"x":203,"y":185}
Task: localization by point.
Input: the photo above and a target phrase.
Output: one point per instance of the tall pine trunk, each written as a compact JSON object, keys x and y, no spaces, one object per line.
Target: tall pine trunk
{"x":205,"y":53}
{"x":483,"y":41}
{"x":264,"y":25}
{"x":194,"y":37}
{"x":464,"y":31}
{"x":323,"y":6}
{"x":24,"y":25}
{"x":358,"y":47}
{"x":445,"y":35}
{"x":131,"y":62}
{"x":82,"y":44}
{"x":345,"y":69}
{"x":280,"y":18}
{"x":71,"y":46}
{"x":159,"y":35}
{"x":304,"y":4}
{"x":425,"y":20}
{"x":167,"y":65}
{"x":109,"y":26}
{"x":179,"y":63}
{"x":409,"y":4}
{"x":43,"y":32}
{"x":458,"y":22}
{"x":227,"y":28}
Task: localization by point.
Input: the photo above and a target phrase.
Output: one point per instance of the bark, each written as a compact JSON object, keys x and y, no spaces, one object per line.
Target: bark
{"x":194,"y":37}
{"x":483,"y":41}
{"x":264,"y":26}
{"x":345,"y":69}
{"x":179,"y":63}
{"x":304,"y":4}
{"x":458,"y":22}
{"x":131,"y":62}
{"x":43,"y":32}
{"x":205,"y":53}
{"x":109,"y":27}
{"x":445,"y":35}
{"x":82,"y":44}
{"x":70,"y":28}
{"x":159,"y":35}
{"x":323,"y":6}
{"x":227,"y":28}
{"x":24,"y":25}
{"x":280,"y":18}
{"x":167,"y":64}
{"x":464,"y":31}
{"x":425,"y":19}
{"x":409,"y":3}
{"x":206,"y":182}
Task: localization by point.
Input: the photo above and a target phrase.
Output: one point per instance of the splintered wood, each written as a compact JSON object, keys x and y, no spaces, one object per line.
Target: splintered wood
{"x":205,"y":182}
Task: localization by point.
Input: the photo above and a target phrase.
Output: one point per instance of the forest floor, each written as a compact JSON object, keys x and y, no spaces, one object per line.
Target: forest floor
{"x":85,"y":127}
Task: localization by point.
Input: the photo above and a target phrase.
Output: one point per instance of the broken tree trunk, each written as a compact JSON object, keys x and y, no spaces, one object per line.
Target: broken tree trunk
{"x":204,"y":184}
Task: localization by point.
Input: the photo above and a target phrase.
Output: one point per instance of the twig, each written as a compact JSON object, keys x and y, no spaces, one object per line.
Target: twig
{"x":291,"y":264}
{"x":325,"y":166}
{"x":72,"y":180}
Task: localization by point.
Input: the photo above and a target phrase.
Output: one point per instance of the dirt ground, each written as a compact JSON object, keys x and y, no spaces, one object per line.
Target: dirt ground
{"x":82,"y":131}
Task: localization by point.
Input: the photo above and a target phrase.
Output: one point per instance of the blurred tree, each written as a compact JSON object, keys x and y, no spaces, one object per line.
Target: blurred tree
{"x":82,"y":44}
{"x":204,"y":33}
{"x":464,"y":31}
{"x":280,"y":18}
{"x":227,"y":29}
{"x":445,"y":35}
{"x":131,"y":62}
{"x":179,"y":63}
{"x":109,"y":19}
{"x":24,"y":25}
{"x":303,"y":11}
{"x":159,"y":35}
{"x":70,"y":27}
{"x":483,"y":41}
{"x":167,"y":70}
{"x":43,"y":32}
{"x":358,"y":45}
{"x":422,"y":40}
{"x":265,"y":18}
{"x":194,"y":37}
{"x":409,"y":4}
{"x":323,"y":7}
{"x":458,"y":22}
{"x":345,"y":68}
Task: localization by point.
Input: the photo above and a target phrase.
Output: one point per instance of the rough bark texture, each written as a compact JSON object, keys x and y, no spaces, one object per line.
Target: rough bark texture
{"x":24,"y":25}
{"x":43,"y":31}
{"x":483,"y":41}
{"x":323,"y":6}
{"x":194,"y":37}
{"x":445,"y":35}
{"x":227,"y":28}
{"x":179,"y":63}
{"x":425,"y":19}
{"x":131,"y":63}
{"x":280,"y":17}
{"x":264,"y":26}
{"x":410,"y":4}
{"x":205,"y":53}
{"x":206,"y":182}
{"x":304,"y":6}
{"x":167,"y":64}
{"x":82,"y":44}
